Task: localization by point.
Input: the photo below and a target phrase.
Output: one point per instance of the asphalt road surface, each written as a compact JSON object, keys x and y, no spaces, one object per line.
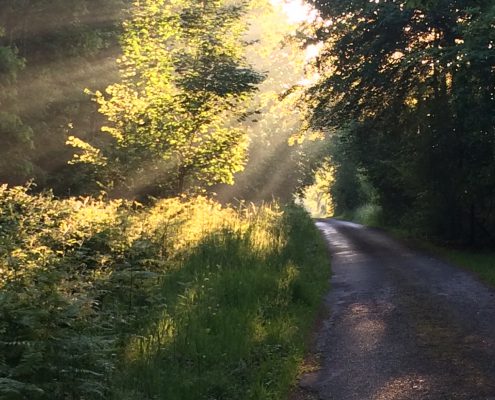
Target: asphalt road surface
{"x":401,"y":325}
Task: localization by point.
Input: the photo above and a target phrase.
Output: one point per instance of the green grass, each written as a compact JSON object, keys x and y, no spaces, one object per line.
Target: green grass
{"x":241,"y":308}
{"x":181,"y":300}
{"x":482,"y":263}
{"x":367,"y":214}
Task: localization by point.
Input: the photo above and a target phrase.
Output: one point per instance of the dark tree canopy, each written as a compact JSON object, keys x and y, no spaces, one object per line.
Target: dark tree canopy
{"x":412,"y":84}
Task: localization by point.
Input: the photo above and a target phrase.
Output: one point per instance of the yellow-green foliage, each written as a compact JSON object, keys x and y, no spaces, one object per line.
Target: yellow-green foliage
{"x":317,"y":198}
{"x":183,"y":300}
{"x":172,"y":116}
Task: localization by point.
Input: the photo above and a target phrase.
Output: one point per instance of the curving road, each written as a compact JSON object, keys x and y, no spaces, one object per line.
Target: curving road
{"x":402,"y":325}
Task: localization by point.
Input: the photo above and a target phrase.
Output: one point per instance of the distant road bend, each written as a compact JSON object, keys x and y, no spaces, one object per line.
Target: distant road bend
{"x":402,"y":325}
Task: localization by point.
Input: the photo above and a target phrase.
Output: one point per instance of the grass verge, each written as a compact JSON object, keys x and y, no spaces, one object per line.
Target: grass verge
{"x":240,"y":309}
{"x":482,"y":263}
{"x":182,"y":300}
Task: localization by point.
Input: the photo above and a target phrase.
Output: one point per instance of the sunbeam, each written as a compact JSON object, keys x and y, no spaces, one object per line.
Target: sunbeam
{"x":297,"y":11}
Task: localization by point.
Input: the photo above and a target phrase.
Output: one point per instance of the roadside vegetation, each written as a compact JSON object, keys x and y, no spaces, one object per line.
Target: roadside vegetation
{"x":120,"y":275}
{"x":406,"y":94}
{"x":184,"y":299}
{"x":480,"y":261}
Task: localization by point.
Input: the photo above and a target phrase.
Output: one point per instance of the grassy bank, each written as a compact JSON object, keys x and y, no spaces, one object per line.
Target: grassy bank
{"x":481,"y":262}
{"x":182,"y":300}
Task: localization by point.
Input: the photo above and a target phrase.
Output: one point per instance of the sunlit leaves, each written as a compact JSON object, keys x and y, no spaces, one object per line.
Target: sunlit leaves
{"x":184,"y":81}
{"x":89,"y":154}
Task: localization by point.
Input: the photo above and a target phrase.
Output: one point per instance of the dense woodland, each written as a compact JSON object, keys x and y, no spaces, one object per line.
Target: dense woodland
{"x":407,"y":90}
{"x":127,"y":128}
{"x":404,"y":100}
{"x":50,"y":51}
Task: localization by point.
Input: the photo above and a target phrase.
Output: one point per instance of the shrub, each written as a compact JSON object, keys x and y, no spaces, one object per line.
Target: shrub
{"x":184,"y":299}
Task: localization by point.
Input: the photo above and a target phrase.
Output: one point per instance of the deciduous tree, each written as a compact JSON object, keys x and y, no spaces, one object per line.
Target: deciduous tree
{"x":172,"y":117}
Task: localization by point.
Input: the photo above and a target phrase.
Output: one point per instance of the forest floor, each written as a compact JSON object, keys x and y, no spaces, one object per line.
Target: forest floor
{"x":401,"y":325}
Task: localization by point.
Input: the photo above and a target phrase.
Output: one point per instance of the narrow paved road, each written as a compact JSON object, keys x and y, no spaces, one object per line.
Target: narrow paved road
{"x":402,"y":325}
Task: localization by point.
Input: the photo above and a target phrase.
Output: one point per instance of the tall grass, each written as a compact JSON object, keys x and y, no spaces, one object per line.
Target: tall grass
{"x":367,"y":214}
{"x":182,"y":300}
{"x":481,"y":263}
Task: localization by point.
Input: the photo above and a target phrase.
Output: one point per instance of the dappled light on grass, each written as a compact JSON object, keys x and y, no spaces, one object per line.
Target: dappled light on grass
{"x":184,"y":299}
{"x":236,"y":312}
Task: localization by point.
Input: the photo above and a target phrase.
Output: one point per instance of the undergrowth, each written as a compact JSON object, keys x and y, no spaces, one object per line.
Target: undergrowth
{"x":368,"y":214}
{"x":181,"y":300}
{"x":481,"y":262}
